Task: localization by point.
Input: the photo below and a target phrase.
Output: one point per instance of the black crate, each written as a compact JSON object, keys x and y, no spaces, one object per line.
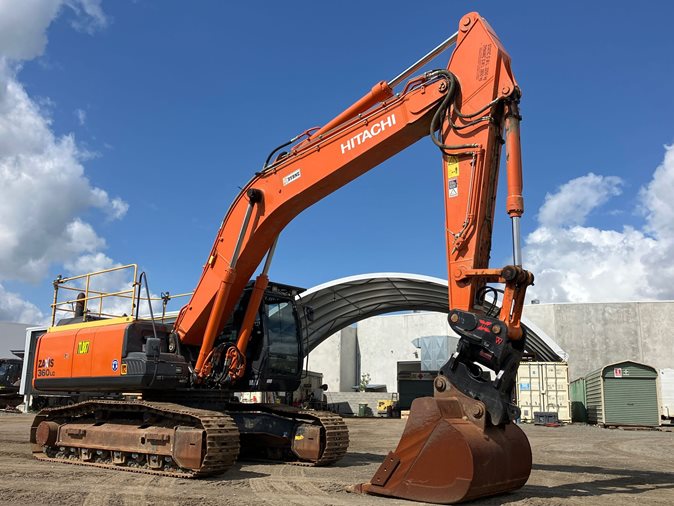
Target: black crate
{"x":545,"y":417}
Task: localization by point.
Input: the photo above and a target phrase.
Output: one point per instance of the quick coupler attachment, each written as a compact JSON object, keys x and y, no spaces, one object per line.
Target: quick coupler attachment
{"x":484,"y":366}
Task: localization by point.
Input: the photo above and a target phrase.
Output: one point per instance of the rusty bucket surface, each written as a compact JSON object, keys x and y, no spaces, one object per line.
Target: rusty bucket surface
{"x":448,"y":454}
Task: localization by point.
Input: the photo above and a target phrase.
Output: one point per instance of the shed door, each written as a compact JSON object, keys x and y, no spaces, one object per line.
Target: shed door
{"x":630,"y":401}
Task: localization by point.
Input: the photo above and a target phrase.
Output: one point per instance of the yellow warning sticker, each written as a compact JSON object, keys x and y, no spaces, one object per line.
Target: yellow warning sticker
{"x":299,"y":437}
{"x":452,"y":163}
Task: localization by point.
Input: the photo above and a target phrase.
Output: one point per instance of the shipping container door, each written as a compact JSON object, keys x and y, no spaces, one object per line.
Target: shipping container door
{"x":667,"y":390}
{"x":528,"y":392}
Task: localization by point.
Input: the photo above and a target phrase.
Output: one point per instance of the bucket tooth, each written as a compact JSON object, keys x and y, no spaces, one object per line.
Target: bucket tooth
{"x":449,"y":453}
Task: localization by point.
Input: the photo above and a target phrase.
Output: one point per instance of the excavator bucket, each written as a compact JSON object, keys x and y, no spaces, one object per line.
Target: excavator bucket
{"x":449,"y":453}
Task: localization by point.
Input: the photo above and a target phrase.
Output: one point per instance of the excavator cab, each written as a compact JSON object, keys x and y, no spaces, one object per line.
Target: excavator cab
{"x":276,"y":351}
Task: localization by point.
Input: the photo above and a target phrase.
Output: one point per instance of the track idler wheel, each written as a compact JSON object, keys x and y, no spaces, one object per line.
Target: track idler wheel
{"x":449,"y":453}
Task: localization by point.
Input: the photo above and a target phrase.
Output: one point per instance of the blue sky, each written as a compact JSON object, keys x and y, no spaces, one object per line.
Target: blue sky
{"x":160,"y":111}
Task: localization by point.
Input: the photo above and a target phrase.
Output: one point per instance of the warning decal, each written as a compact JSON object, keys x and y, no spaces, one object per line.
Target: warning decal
{"x":452,"y":163}
{"x":453,"y":188}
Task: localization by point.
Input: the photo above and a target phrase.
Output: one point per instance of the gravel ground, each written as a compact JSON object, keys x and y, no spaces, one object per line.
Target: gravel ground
{"x":573,"y":465}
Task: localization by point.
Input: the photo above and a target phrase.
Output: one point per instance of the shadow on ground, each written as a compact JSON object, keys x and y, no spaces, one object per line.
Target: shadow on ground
{"x":359,"y":459}
{"x":620,"y":481}
{"x":608,"y":481}
{"x":235,"y":473}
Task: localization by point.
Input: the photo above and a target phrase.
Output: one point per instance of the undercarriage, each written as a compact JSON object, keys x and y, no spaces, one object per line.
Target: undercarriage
{"x":177,"y":440}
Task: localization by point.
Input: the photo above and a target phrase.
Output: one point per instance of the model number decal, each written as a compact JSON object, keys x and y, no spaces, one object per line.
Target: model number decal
{"x":82,"y":347}
{"x":44,"y":365}
{"x":45,"y":362}
{"x":292,"y":177}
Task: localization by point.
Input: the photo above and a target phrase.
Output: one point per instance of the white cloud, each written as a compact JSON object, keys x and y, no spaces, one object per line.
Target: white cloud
{"x":656,"y":198}
{"x":23,"y":24}
{"x":115,"y":208}
{"x":577,"y":198}
{"x":577,"y":263}
{"x":44,"y":191}
{"x":88,"y":263}
{"x":118,"y":208}
{"x":90,"y":16}
{"x":658,"y":206}
{"x":81,"y":116}
{"x":14,"y":308}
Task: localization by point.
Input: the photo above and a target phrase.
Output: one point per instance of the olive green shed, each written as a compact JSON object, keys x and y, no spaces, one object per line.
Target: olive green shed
{"x":623,"y":393}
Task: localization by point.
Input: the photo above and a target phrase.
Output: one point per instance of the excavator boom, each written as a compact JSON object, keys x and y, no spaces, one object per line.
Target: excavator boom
{"x":305,"y":175}
{"x":370,"y":131}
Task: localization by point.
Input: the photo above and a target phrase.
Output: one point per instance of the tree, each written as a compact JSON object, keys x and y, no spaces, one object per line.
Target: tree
{"x":364,"y":382}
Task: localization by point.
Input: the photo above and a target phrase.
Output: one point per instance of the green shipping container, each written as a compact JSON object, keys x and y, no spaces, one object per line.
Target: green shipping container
{"x":624,"y":393}
{"x":578,"y":400}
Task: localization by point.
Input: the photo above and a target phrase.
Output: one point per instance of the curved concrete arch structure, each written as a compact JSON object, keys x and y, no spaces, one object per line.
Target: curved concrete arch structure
{"x":330,"y":307}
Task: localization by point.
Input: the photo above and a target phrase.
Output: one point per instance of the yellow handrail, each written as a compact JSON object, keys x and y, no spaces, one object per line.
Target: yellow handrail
{"x":92,"y":294}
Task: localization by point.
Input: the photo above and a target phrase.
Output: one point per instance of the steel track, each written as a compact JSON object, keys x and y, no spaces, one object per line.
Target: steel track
{"x":221,"y":444}
{"x":222,"y":436}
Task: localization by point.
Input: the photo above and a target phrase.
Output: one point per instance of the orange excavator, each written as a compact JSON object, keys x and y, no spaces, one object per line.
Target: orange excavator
{"x":236,"y":334}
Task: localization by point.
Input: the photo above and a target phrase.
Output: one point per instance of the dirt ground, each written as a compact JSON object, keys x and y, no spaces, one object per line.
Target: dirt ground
{"x":572,"y":465}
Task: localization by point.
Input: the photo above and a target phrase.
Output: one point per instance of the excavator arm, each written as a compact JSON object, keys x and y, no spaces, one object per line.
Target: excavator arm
{"x":464,"y":108}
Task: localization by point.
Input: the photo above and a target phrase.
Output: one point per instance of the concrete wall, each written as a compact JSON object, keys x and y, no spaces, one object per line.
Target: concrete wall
{"x":592,"y":334}
{"x":374,"y":348}
{"x":337,"y":359}
{"x":349,"y":363}
{"x":543,"y":315}
{"x":597,"y":334}
{"x":386,"y":340}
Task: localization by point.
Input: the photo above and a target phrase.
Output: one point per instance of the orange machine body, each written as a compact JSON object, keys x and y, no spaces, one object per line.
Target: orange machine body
{"x":119,"y":355}
{"x":71,"y":353}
